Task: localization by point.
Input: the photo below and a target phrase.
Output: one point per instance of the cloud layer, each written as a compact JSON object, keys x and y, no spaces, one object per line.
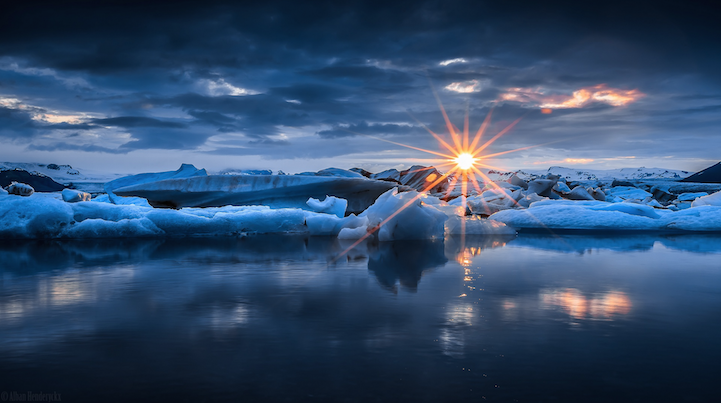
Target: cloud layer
{"x":298,"y":84}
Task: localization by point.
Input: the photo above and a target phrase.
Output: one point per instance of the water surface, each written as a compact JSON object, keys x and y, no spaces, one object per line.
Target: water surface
{"x":531,"y":319}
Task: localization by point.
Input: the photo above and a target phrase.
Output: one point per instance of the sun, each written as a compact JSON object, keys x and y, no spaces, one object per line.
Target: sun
{"x":465,"y":161}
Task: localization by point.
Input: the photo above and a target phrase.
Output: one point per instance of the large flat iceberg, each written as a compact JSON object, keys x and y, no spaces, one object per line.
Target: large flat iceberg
{"x":277,"y":191}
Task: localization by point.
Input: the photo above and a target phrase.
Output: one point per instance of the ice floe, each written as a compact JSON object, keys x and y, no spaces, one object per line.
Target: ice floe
{"x":393,"y":216}
{"x":713,"y":199}
{"x":331,"y":205}
{"x":74,"y":196}
{"x":620,"y":193}
{"x":596,"y":215}
{"x":404,"y":215}
{"x":316,"y":203}
{"x":690,"y":196}
{"x":20,"y":189}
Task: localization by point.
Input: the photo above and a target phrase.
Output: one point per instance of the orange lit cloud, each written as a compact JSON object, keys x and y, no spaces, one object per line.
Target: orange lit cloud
{"x":580,"y":98}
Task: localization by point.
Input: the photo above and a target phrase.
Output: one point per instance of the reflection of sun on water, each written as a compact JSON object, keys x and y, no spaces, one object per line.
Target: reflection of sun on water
{"x":578,"y":306}
{"x":466,"y":255}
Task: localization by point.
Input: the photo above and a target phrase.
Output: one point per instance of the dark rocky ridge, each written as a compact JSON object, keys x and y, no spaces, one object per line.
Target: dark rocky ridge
{"x":711,"y":174}
{"x":39,"y":182}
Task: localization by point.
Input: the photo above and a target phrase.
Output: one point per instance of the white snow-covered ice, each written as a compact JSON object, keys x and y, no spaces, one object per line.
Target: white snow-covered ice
{"x":394,"y":215}
{"x":690,"y":196}
{"x":331,"y":205}
{"x":597,"y":215}
{"x":317,"y":204}
{"x":713,"y":199}
{"x":74,"y":196}
{"x":20,"y":189}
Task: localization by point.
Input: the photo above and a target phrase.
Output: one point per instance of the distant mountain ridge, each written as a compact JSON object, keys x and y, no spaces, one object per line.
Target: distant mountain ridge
{"x":576,"y":174}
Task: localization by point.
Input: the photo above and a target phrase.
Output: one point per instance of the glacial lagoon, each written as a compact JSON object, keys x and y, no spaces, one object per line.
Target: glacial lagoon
{"x":532,"y":318}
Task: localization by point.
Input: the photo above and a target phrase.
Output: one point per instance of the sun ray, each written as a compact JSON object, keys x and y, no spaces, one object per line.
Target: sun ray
{"x":501,"y":133}
{"x":401,"y":144}
{"x":483,"y":164}
{"x":460,"y":136}
{"x":451,"y":163}
{"x":494,"y":185}
{"x":520,"y":149}
{"x":481,"y":130}
{"x":436,"y":136}
{"x":420,"y":170}
{"x":449,"y":125}
{"x":465,"y":130}
{"x":475,"y":183}
{"x":451,"y":186}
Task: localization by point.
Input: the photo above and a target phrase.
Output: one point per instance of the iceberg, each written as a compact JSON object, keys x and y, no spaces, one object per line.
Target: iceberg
{"x":603,"y":216}
{"x":331,"y":205}
{"x":394,"y":215}
{"x":74,"y":196}
{"x":44,"y":217}
{"x":542,"y":187}
{"x":417,"y":177}
{"x":388,"y":174}
{"x":185,"y":171}
{"x":690,"y":196}
{"x":276,"y":191}
{"x":579,"y":193}
{"x":713,"y":199}
{"x":341,"y":173}
{"x":20,"y":189}
{"x":627,"y":193}
{"x":400,"y":216}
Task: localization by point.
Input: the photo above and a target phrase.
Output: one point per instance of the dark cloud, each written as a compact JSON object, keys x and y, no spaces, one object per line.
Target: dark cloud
{"x":63,"y":146}
{"x":105,"y":37}
{"x":363,"y":128}
{"x":166,"y":139}
{"x":16,"y":123}
{"x":136,"y":121}
{"x":173,"y":77}
{"x":69,"y":126}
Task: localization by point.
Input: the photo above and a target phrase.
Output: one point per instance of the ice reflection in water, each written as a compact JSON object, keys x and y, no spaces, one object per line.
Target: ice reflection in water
{"x":404,"y":262}
{"x":272,"y":318}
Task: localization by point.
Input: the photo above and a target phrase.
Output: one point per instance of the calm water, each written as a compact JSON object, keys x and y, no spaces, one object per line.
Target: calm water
{"x":528,"y":319}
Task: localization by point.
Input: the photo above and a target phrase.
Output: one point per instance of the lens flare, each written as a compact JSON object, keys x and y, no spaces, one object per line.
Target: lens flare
{"x":465,"y":161}
{"x":461,"y":156}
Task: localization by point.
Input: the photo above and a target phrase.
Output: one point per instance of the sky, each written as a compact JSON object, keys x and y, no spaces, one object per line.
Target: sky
{"x":299,"y":86}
